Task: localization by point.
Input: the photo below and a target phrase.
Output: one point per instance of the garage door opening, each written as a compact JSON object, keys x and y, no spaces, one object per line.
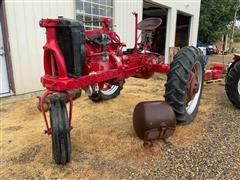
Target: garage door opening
{"x":154,"y":10}
{"x":182,"y":30}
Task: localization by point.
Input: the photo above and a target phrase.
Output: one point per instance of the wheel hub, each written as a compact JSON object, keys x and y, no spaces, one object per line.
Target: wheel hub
{"x":106,"y":86}
{"x":109,"y":89}
{"x":193,"y":85}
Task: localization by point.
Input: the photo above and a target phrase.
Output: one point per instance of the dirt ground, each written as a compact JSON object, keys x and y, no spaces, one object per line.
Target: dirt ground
{"x":104,"y":145}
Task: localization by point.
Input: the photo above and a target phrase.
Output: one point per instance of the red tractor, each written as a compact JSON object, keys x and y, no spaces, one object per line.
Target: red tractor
{"x":232,"y":81}
{"x":95,"y":61}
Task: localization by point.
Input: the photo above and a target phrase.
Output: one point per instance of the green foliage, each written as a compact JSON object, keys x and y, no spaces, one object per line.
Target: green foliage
{"x":215,"y":18}
{"x":237,"y":34}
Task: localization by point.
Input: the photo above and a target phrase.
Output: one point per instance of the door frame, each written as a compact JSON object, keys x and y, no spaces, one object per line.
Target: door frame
{"x":5,"y":35}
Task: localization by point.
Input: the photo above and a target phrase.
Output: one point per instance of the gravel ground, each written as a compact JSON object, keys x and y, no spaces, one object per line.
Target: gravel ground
{"x":217,"y":155}
{"x":106,"y":147}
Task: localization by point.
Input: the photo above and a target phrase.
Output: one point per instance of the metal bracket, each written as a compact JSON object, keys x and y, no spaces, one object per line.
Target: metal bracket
{"x":42,"y":102}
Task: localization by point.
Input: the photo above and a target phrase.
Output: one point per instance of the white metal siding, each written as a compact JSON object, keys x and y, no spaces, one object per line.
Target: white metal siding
{"x":26,"y":38}
{"x":191,"y":7}
{"x":125,"y":21}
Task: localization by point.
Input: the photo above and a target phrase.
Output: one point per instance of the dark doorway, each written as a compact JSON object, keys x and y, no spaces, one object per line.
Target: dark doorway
{"x":154,"y":10}
{"x":182,"y":30}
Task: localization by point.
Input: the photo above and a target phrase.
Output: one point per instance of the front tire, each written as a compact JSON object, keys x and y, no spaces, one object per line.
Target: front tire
{"x":232,"y":84}
{"x":185,"y":83}
{"x":61,"y":140}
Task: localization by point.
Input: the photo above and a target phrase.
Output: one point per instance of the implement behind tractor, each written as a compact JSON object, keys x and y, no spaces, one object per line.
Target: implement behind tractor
{"x":232,"y":81}
{"x":96,"y":62}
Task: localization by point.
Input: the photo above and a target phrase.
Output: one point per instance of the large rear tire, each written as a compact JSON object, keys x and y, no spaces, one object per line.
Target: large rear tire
{"x":185,"y":83}
{"x":61,"y":140}
{"x":232,"y":84}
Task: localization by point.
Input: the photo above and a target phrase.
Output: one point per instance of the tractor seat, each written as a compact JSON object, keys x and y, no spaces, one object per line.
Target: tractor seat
{"x":149,"y":24}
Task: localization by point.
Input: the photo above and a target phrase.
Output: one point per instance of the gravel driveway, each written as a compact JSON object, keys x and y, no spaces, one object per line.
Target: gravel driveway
{"x":106,"y":147}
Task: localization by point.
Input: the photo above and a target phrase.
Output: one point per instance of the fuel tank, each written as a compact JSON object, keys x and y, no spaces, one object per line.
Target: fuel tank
{"x":153,"y":120}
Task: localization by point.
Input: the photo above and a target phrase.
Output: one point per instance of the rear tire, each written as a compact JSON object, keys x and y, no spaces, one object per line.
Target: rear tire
{"x":107,"y":94}
{"x":177,"y":86}
{"x":61,"y":140}
{"x":232,"y":84}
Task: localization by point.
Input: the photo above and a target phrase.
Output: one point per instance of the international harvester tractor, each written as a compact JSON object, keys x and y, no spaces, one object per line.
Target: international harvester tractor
{"x":95,"y":61}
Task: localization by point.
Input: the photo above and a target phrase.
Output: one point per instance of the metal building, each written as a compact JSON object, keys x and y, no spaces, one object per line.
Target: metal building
{"x":21,"y":38}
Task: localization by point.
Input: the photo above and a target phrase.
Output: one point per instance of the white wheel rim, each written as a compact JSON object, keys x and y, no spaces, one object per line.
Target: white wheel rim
{"x":110,"y":91}
{"x":191,"y":106}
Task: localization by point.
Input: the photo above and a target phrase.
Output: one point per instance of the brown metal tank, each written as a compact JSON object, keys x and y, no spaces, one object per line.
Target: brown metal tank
{"x":153,"y":120}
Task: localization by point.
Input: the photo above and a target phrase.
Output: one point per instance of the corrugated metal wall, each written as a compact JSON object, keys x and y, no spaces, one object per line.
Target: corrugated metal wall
{"x":26,"y":38}
{"x":125,"y":21}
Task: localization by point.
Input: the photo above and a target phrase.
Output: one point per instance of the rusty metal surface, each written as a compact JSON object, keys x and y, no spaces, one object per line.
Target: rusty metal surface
{"x":192,"y":85}
{"x":149,"y":24}
{"x":74,"y":93}
{"x":153,"y":120}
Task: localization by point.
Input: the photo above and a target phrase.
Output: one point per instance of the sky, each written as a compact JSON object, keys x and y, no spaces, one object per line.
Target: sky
{"x":237,"y":23}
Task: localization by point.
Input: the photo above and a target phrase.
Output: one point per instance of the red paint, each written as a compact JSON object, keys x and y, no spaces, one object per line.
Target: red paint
{"x":208,"y":75}
{"x":115,"y":69}
{"x":215,"y":72}
{"x":43,"y":101}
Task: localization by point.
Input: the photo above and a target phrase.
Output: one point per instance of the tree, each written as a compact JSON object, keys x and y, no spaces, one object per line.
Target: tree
{"x":237,"y":34}
{"x":215,"y":17}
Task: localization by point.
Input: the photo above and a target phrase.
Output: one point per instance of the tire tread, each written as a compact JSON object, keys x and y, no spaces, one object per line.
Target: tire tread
{"x":176,"y":83}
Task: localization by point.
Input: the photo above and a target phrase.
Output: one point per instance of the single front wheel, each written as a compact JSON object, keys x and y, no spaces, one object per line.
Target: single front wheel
{"x":61,"y":140}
